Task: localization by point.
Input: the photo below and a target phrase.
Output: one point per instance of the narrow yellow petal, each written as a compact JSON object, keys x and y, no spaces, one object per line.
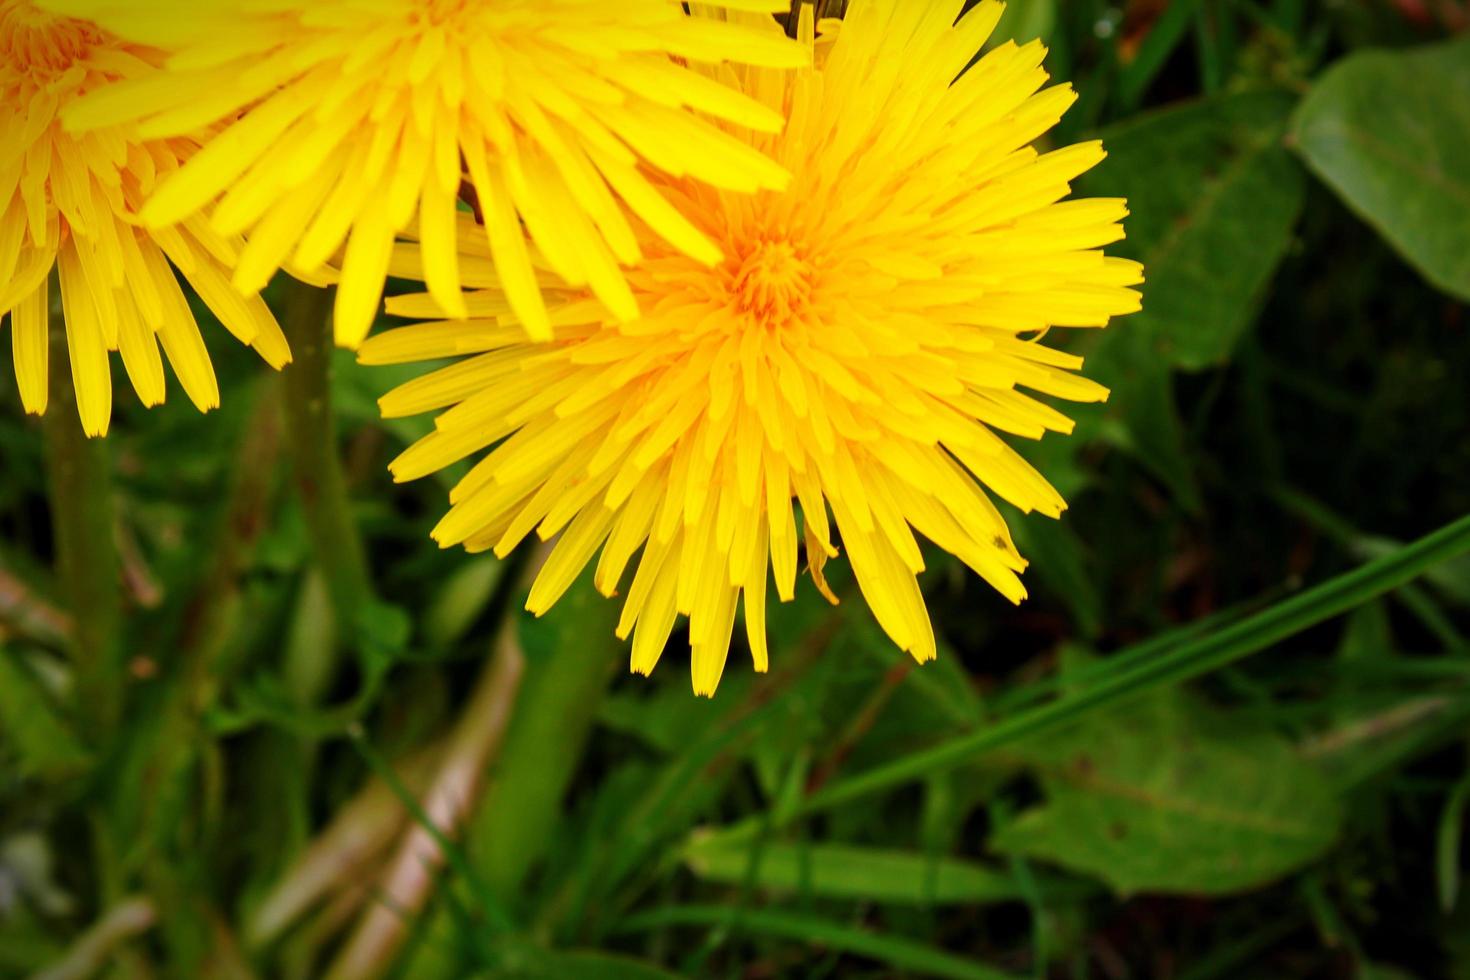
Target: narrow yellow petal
{"x":30,"y":345}
{"x":90,"y":374}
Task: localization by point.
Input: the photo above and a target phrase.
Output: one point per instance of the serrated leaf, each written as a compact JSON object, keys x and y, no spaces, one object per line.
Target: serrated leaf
{"x":1389,"y":131}
{"x":1167,"y":796}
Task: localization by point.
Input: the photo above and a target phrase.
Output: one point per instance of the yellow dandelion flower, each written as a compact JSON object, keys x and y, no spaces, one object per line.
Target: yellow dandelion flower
{"x":70,"y":202}
{"x":361,"y":114}
{"x":869,"y":333}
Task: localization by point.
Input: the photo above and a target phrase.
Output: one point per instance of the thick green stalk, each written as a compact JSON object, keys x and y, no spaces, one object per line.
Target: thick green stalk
{"x":79,"y":474}
{"x":311,"y":436}
{"x":411,"y":876}
{"x":571,"y":656}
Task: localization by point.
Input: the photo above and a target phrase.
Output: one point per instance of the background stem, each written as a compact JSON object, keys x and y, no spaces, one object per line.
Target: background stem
{"x":413,"y":871}
{"x":311,"y":437}
{"x":79,"y":478}
{"x":571,"y":654}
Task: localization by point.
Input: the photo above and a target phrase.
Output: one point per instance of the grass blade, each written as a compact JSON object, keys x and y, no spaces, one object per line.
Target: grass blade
{"x":1133,"y":675}
{"x":901,"y":953}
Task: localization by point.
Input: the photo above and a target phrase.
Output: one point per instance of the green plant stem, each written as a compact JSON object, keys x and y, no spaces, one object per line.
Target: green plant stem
{"x":79,"y":476}
{"x":411,"y":875}
{"x":1135,"y":675}
{"x":570,"y":657}
{"x":311,"y":436}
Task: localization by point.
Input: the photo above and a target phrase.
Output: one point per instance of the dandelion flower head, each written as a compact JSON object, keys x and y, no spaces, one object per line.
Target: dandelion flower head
{"x":69,"y":202}
{"x":357,"y":119}
{"x":872,"y":329}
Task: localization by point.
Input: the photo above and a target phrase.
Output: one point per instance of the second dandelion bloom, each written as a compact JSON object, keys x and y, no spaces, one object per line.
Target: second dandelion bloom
{"x":872,"y":330}
{"x":346,"y":122}
{"x":68,"y":204}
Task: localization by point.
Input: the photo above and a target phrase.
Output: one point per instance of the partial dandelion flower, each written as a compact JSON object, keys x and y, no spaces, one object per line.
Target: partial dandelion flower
{"x":870,"y":332}
{"x":360,"y":116}
{"x":69,"y":203}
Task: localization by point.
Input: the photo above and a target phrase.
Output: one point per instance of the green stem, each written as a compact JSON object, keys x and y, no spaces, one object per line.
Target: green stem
{"x":570,"y":657}
{"x":411,"y":877}
{"x":79,"y":473}
{"x":311,"y":436}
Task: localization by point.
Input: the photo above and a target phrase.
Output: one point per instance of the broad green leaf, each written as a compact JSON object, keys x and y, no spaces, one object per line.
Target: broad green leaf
{"x":44,"y":743}
{"x":1389,"y":131}
{"x":842,"y":871}
{"x":1212,"y":197}
{"x":904,"y":954}
{"x":1165,"y":796}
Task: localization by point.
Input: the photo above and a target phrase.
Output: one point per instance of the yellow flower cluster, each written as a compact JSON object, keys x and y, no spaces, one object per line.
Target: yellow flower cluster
{"x":714,"y":297}
{"x":68,"y":203}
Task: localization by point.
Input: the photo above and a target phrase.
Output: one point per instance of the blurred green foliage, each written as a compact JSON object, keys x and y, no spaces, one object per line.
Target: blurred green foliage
{"x":1215,"y":743}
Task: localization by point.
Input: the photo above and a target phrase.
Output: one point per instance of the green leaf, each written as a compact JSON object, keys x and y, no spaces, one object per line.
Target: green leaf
{"x":1151,"y":428}
{"x":1152,"y":665}
{"x":1213,"y":198}
{"x":44,"y":743}
{"x":1167,"y":796}
{"x":1452,"y":579}
{"x":1448,"y":840}
{"x":842,"y":871}
{"x":1025,"y":21}
{"x":461,"y":599}
{"x":1367,"y":635}
{"x":1390,"y":133}
{"x":905,"y":954}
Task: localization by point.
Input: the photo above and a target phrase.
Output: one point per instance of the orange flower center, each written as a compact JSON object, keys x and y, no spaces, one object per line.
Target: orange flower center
{"x":773,"y":282}
{"x":40,"y":46}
